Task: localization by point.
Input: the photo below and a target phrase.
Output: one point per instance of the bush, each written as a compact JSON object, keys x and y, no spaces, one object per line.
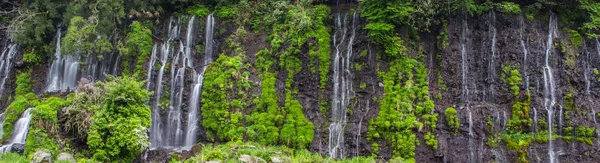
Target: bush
{"x":452,"y":120}
{"x":32,"y":58}
{"x":119,"y":126}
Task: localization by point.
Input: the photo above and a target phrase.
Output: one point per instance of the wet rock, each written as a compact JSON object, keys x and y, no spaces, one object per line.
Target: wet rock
{"x":18,"y":148}
{"x":280,"y":159}
{"x":65,"y":157}
{"x":250,"y":159}
{"x":42,"y":157}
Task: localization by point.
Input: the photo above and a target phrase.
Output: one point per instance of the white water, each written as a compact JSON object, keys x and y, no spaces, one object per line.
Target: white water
{"x":549,"y":100}
{"x":342,"y":83}
{"x":156,"y":131}
{"x":191,"y":131}
{"x":20,"y":130}
{"x":6,"y":63}
{"x":151,"y":66}
{"x":64,"y":70}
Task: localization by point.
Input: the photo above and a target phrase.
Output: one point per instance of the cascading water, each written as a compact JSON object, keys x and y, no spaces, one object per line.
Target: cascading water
{"x":20,"y":130}
{"x":64,"y":70}
{"x":190,"y":137}
{"x":156,"y":131}
{"x":342,"y":83}
{"x":549,"y":100}
{"x":151,"y":66}
{"x":465,"y":89}
{"x":6,"y":63}
{"x":491,"y":69}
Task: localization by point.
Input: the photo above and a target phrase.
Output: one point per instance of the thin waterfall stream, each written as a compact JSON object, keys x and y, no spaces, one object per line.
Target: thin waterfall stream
{"x":342,"y":81}
{"x":549,"y":97}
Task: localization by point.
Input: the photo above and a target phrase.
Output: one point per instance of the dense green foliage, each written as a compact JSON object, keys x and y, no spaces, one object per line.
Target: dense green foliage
{"x":138,"y":44}
{"x":224,"y":100}
{"x":23,"y":100}
{"x":119,"y":126}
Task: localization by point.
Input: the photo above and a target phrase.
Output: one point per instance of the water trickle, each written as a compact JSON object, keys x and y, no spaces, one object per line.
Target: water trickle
{"x":151,"y":66}
{"x":491,"y":73}
{"x":522,"y":40}
{"x":6,"y":64}
{"x":191,"y":131}
{"x":463,"y":51}
{"x":549,"y":100}
{"x":20,"y":130}
{"x":64,"y":70}
{"x":342,"y":82}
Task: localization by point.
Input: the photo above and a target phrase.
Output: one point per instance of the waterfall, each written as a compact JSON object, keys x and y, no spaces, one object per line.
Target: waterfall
{"x":463,"y":51}
{"x":522,"y":40}
{"x":342,"y":83}
{"x":191,"y":131}
{"x":63,"y":71}
{"x":549,"y":100}
{"x":20,"y":130}
{"x":6,"y":63}
{"x":151,"y":66}
{"x":491,"y":73}
{"x":156,"y":131}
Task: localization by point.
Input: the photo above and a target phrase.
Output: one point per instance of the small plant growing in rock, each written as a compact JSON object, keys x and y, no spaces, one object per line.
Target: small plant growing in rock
{"x":452,"y":120}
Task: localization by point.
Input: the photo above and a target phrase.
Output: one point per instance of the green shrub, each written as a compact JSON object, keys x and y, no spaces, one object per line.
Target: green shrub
{"x":119,"y":126}
{"x":32,"y":58}
{"x":452,"y":120}
{"x":198,"y":10}
{"x":508,"y":7}
{"x":520,"y":119}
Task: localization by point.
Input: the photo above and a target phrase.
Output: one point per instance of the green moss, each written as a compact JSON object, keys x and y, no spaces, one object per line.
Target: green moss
{"x":363,"y":53}
{"x":520,"y":119}
{"x":23,"y":99}
{"x":431,"y":141}
{"x":452,"y":120}
{"x":222,"y":106}
{"x":511,"y":76}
